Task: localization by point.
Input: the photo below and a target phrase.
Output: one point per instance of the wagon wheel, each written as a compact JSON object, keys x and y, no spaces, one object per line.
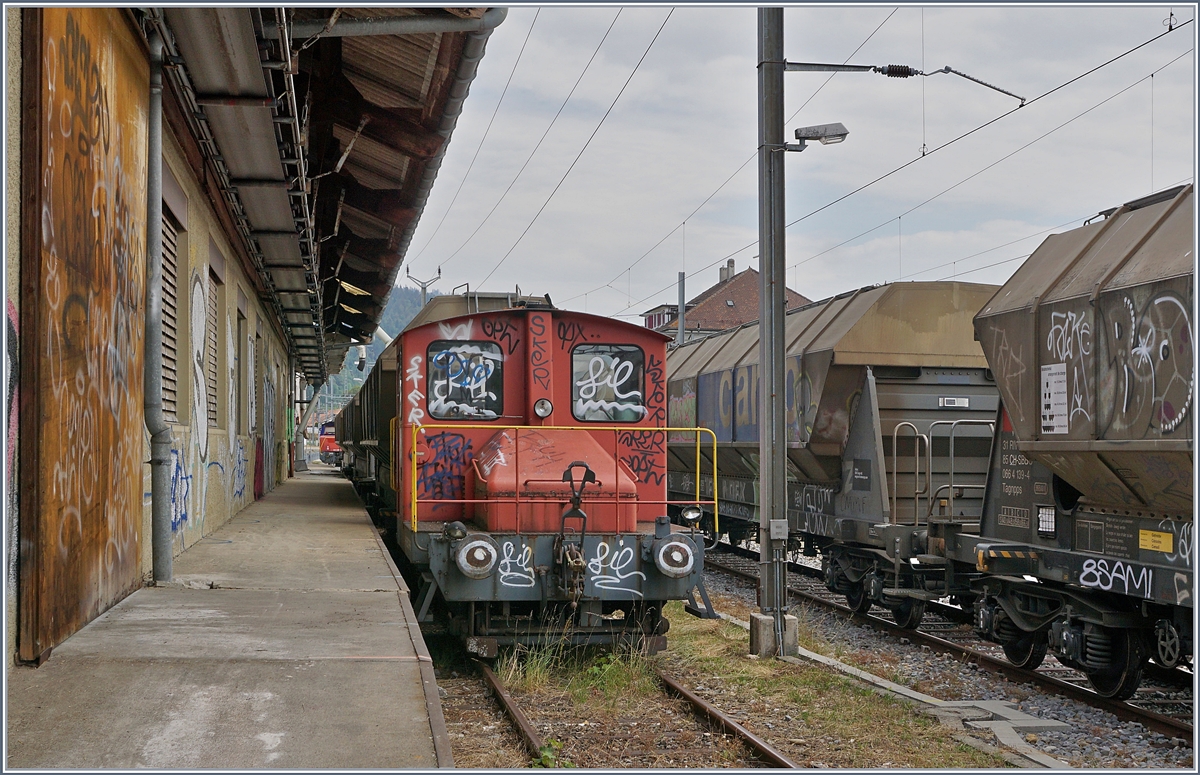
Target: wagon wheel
{"x":909,"y":613}
{"x":1168,"y":651}
{"x":1121,"y":679}
{"x":1028,"y":651}
{"x":857,"y":598}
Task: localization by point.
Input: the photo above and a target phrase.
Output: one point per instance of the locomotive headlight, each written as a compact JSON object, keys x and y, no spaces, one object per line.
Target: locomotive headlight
{"x":477,"y":557}
{"x":675,"y":557}
{"x":691,"y":514}
{"x":542,"y":408}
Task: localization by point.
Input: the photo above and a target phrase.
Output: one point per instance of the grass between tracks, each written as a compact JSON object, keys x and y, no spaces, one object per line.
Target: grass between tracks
{"x":814,"y":716}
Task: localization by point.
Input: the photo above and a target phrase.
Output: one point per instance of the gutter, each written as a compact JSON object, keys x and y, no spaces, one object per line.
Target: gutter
{"x":152,"y":363}
{"x":392,"y":25}
{"x":473,"y":50}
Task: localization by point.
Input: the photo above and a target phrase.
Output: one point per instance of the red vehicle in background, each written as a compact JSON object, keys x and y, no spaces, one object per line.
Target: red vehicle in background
{"x":331,"y":453}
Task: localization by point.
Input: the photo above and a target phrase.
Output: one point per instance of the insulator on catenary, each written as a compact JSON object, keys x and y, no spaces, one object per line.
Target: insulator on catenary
{"x":898,"y":71}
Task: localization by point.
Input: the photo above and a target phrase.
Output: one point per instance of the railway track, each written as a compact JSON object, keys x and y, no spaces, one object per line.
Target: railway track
{"x":762,"y":752}
{"x":1163,"y":703}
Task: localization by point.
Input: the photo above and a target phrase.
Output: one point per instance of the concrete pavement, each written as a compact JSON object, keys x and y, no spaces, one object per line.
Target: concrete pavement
{"x":285,"y":641}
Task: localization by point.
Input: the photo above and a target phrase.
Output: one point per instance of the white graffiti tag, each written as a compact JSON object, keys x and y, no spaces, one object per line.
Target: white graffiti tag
{"x":1123,"y":578}
{"x":514,"y":568}
{"x":607,"y":566}
{"x":612,"y":376}
{"x":413,"y":375}
{"x":460,"y":331}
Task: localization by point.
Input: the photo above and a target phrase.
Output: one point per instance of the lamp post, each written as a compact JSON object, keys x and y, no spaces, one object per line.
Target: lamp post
{"x":772,"y":437}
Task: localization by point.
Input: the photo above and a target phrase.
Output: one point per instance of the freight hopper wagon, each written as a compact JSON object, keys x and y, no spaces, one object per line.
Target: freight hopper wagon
{"x":888,"y":397}
{"x":529,"y":475}
{"x":364,"y":431}
{"x":1087,"y":526}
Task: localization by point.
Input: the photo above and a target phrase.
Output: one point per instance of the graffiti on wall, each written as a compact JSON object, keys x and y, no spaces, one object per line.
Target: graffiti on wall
{"x":198,"y":316}
{"x":90,"y":316}
{"x":238,"y":480}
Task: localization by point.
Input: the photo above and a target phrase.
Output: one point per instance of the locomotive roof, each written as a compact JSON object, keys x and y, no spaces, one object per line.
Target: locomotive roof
{"x":1141,"y":241}
{"x":901,"y":324}
{"x":449,"y":306}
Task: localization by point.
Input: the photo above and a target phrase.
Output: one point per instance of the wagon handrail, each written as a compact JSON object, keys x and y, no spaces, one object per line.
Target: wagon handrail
{"x":953,"y":427}
{"x":615,"y":429}
{"x":918,"y":491}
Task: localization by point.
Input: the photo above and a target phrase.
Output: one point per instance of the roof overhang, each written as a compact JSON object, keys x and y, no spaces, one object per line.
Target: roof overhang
{"x":325,"y":149}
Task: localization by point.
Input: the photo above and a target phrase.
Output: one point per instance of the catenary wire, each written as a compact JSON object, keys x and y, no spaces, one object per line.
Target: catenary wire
{"x":755,"y":242}
{"x":581,"y":150}
{"x":483,"y":139}
{"x":739,"y":169}
{"x":982,"y":126}
{"x":993,"y":164}
{"x":539,"y":143}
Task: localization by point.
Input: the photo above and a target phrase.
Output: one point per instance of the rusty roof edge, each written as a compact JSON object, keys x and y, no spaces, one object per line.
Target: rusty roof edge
{"x":473,"y":51}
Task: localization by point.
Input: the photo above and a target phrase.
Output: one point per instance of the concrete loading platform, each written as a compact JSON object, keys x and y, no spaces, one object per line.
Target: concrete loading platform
{"x":285,"y":641}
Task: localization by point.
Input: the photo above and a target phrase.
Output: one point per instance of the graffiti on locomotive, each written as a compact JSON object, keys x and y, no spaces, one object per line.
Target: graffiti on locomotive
{"x":608,"y":383}
{"x":465,"y":380}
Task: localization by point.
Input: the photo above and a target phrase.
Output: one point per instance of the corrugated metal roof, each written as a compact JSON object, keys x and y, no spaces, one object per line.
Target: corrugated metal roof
{"x":380,"y":110}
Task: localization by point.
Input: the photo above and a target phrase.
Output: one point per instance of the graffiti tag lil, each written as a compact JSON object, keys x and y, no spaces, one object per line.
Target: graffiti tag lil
{"x":607,"y":566}
{"x":614,"y":376}
{"x":514,"y":568}
{"x":413,"y":375}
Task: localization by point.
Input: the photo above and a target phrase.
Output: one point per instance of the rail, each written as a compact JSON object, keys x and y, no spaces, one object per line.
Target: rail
{"x":616,"y":430}
{"x":1126,"y":711}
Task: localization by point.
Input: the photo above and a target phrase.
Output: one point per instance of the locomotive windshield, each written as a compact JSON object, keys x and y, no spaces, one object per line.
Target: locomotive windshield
{"x":466,"y":380}
{"x":607,"y":383}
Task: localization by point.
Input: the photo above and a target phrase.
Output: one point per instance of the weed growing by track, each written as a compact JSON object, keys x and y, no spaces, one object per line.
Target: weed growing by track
{"x":817,"y":717}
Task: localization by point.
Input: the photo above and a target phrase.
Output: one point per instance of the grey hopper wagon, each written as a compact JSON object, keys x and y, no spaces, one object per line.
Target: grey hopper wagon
{"x":1090,"y":493}
{"x":887,"y":395}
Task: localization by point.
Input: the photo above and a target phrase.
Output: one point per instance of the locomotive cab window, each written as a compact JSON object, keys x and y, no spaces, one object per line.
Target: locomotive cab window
{"x":608,"y":383}
{"x":466,"y":380}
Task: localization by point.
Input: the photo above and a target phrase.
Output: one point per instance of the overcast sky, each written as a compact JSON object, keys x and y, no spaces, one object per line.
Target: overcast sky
{"x":687,"y":121}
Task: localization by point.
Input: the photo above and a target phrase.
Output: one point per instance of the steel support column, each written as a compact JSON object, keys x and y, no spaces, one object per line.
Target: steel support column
{"x":772,"y":440}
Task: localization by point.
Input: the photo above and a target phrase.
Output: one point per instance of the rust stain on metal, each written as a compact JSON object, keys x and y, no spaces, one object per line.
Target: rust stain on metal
{"x":87,"y":263}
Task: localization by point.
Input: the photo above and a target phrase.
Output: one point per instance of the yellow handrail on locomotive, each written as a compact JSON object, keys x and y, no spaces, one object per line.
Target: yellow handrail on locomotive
{"x":418,"y":428}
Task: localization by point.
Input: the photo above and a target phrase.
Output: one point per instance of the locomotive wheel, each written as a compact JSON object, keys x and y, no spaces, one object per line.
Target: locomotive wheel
{"x":1027,"y":651}
{"x":857,"y":598}
{"x":1121,"y":680}
{"x":909,"y":613}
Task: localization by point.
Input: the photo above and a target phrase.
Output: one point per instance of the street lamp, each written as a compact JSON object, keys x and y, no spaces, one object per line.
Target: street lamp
{"x":825,"y":134}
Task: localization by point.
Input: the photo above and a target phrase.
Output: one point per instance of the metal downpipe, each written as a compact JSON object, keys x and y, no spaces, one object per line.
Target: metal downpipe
{"x":156,"y":422}
{"x":300,"y":456}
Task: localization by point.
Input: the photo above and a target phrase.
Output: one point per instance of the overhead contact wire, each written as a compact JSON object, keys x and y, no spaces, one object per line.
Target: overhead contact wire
{"x":539,"y":143}
{"x":482,"y":139}
{"x":983,"y":126}
{"x":581,"y":150}
{"x":751,"y":158}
